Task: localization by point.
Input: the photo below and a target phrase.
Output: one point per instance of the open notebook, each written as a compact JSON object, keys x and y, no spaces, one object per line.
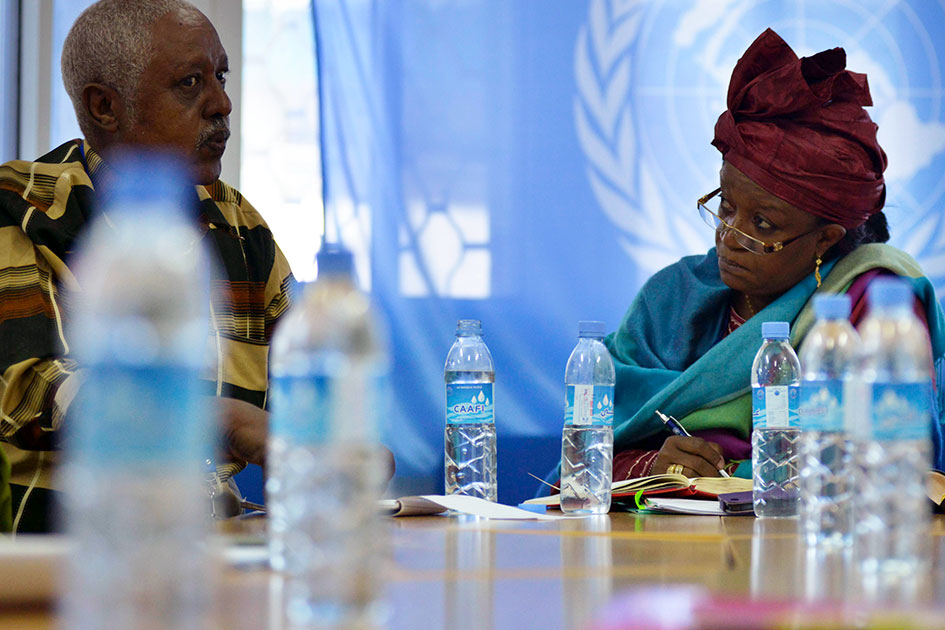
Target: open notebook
{"x":666,"y":485}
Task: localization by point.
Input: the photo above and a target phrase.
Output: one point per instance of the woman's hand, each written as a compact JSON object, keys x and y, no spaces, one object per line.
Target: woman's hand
{"x":697,"y":457}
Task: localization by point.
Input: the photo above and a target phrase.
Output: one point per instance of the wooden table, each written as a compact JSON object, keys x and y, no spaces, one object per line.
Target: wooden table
{"x":460,"y":574}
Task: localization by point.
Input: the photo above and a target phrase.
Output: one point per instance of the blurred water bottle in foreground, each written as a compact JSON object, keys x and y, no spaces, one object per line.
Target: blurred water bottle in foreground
{"x":775,"y":376}
{"x":325,"y":464}
{"x":828,"y":362}
{"x":587,"y":443}
{"x":892,"y":445}
{"x":135,"y":494}
{"x":470,"y":457}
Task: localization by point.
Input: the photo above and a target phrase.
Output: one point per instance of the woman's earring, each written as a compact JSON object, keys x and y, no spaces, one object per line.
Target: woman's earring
{"x":817,"y":271}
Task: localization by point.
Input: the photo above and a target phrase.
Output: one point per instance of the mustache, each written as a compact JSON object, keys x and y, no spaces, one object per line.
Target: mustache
{"x":217,"y":126}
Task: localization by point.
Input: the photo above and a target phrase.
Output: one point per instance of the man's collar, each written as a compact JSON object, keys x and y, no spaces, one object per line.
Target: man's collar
{"x":94,"y":164}
{"x":99,"y":170}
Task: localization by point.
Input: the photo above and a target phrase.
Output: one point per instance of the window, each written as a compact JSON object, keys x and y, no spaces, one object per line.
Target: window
{"x":279,"y":166}
{"x":9,"y":61}
{"x":46,"y":117}
{"x":64,"y":125}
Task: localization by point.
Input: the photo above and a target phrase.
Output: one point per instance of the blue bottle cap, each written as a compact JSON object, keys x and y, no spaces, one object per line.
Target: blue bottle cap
{"x":334,"y":260}
{"x":137,"y":178}
{"x":886,"y":292}
{"x":832,"y":306}
{"x":591,"y":329}
{"x":775,"y":330}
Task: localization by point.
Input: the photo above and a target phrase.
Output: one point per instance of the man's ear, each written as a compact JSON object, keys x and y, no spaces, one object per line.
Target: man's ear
{"x":103,"y":105}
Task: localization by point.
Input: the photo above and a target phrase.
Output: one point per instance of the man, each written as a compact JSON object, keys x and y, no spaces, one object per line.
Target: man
{"x":146,"y":73}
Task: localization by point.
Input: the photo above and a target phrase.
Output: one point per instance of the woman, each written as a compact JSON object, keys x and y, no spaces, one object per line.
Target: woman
{"x":798,"y":211}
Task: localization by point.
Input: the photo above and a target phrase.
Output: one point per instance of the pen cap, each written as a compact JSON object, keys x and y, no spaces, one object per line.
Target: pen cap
{"x":775,"y":330}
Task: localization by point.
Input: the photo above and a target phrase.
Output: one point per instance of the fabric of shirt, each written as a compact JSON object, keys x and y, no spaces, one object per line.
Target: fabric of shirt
{"x":44,"y":208}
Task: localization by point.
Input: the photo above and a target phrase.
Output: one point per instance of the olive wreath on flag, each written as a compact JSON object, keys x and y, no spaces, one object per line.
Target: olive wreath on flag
{"x":620,"y":176}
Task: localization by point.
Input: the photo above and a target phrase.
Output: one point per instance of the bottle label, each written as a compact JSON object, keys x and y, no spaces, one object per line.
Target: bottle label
{"x":775,"y":407}
{"x":140,"y":416}
{"x":589,"y":405}
{"x":856,"y":409}
{"x":317,"y":409}
{"x":470,"y":403}
{"x":901,"y":411}
{"x":821,"y":405}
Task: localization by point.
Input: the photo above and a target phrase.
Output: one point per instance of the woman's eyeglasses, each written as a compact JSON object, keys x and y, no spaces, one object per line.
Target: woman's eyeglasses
{"x":709,"y":211}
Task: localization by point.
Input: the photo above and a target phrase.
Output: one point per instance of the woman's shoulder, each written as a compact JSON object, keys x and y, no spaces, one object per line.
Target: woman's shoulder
{"x":877,"y":260}
{"x":879,"y":256}
{"x":853,"y":274}
{"x":867,"y":258}
{"x":859,"y":290}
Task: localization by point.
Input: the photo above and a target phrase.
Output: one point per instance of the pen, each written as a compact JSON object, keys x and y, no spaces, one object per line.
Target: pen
{"x":673,"y":425}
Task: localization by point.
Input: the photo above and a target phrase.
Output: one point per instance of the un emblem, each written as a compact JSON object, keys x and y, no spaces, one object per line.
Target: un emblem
{"x":651,"y":79}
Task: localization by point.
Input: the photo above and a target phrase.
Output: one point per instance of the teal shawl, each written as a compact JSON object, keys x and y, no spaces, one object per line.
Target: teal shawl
{"x":670,"y":354}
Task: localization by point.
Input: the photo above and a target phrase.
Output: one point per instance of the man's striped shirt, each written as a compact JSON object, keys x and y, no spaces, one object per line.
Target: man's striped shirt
{"x":44,"y":207}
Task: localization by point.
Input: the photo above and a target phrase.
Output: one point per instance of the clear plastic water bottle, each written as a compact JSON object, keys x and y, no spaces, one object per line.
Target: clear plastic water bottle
{"x":587,"y":442}
{"x":325,"y":463}
{"x":828,"y":358}
{"x":470,"y":415}
{"x":775,"y":379}
{"x":892,"y":435}
{"x":135,"y":497}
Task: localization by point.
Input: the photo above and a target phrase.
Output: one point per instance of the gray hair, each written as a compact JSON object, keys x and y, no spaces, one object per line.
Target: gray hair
{"x":110,"y":43}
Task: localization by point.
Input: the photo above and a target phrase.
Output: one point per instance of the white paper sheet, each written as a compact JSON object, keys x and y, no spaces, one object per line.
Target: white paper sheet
{"x":488,"y":509}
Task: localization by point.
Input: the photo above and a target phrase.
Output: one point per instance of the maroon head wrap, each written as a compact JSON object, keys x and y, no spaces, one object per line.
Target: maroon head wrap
{"x":797,"y":128}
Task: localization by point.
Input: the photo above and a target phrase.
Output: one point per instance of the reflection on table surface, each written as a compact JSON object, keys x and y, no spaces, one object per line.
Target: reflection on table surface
{"x":463,"y":573}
